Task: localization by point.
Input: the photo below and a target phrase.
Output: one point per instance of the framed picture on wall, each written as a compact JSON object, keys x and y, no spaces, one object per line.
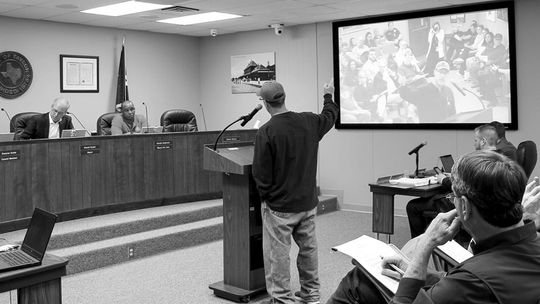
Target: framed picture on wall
{"x":250,"y":71}
{"x":79,"y":74}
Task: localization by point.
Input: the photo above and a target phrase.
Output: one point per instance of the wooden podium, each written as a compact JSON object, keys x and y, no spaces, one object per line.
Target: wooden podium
{"x":243,"y":267}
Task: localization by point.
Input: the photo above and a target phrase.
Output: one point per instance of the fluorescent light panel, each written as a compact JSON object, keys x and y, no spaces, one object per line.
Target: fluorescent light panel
{"x":200,"y":18}
{"x":124,"y":8}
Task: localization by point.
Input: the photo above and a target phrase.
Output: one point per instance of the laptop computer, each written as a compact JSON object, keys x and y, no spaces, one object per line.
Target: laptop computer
{"x":447,"y":162}
{"x":158,"y":129}
{"x":6,"y":136}
{"x":73,"y":133}
{"x":35,"y":242}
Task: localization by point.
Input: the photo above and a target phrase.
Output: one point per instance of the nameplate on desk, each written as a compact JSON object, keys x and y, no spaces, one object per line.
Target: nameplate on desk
{"x":163,"y":145}
{"x":231,"y":138}
{"x":89,"y":149}
{"x":10,"y":155}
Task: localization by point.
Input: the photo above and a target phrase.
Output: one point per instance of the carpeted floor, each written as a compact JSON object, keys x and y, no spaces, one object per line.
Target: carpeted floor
{"x":183,"y":276}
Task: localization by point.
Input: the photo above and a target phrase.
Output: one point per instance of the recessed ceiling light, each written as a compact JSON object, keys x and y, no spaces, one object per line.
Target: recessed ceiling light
{"x":124,"y":8}
{"x":200,"y":18}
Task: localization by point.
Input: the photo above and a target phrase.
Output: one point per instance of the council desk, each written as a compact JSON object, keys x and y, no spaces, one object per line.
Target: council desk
{"x":79,"y":177}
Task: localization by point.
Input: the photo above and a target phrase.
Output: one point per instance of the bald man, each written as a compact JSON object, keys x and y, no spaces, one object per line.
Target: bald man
{"x":127,"y":122}
{"x":51,"y":124}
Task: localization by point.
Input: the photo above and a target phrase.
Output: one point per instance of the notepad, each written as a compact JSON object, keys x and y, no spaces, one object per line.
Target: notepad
{"x":367,"y":252}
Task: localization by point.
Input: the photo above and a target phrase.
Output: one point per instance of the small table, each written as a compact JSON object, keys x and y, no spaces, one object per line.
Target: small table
{"x":383,"y":203}
{"x":37,"y":284}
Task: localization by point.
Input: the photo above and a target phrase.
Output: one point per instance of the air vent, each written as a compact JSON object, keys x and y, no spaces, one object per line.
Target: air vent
{"x":179,"y":9}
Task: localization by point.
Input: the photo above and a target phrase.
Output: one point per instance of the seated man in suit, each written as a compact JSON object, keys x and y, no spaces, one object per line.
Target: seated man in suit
{"x":127,"y":122}
{"x":487,"y":190}
{"x":51,"y":124}
{"x":485,"y":138}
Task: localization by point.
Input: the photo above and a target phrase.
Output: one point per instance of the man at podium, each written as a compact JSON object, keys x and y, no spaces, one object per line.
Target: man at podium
{"x":284,"y":169}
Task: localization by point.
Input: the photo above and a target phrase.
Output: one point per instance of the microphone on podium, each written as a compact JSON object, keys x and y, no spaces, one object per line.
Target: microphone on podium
{"x":146,"y":108}
{"x":246,"y":118}
{"x":73,"y":114}
{"x":12,"y":127}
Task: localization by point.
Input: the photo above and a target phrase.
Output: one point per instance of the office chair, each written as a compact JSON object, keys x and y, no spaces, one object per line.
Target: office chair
{"x":103,"y":124}
{"x":18,"y":123}
{"x":178,"y":121}
{"x":527,"y":156}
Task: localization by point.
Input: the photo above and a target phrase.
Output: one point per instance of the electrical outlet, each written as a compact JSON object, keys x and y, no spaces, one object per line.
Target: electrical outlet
{"x":131,"y":252}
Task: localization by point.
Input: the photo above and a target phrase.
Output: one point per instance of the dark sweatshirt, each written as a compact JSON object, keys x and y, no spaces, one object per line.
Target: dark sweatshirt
{"x":285,"y":158}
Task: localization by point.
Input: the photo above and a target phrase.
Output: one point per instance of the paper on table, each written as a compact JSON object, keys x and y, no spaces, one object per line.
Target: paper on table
{"x":455,"y":251}
{"x":368,"y":252}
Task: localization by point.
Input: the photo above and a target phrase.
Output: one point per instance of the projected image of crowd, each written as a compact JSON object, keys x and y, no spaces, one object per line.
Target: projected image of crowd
{"x":426,"y":70}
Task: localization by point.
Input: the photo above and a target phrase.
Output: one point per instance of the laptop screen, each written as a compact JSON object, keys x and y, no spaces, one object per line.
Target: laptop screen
{"x":447,"y":162}
{"x":38,"y":234}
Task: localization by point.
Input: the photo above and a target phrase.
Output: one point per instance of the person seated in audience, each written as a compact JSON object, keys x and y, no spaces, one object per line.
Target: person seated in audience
{"x":419,"y":209}
{"x":51,"y":124}
{"x":458,"y":40}
{"x":433,"y":98}
{"x":487,"y":190}
{"x":489,"y":77}
{"x":127,"y":122}
{"x":470,"y":48}
{"x":479,"y":60}
{"x":503,"y":145}
{"x":369,"y":41}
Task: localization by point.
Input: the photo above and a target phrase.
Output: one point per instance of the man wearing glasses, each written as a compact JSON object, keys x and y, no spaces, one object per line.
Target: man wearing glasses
{"x":487,"y":190}
{"x":51,"y":124}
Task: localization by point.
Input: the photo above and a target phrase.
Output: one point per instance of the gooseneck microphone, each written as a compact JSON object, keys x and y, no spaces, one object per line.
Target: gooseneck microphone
{"x":415,"y":150}
{"x":246,"y":118}
{"x":73,"y":114}
{"x":11,"y":126}
{"x":146,"y":108}
{"x":204,"y":119}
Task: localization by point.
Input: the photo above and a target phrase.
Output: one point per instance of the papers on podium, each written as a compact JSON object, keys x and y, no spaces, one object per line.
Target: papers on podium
{"x":367,"y":252}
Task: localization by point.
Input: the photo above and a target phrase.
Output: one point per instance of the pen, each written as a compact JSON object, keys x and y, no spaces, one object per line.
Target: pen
{"x":394,"y":267}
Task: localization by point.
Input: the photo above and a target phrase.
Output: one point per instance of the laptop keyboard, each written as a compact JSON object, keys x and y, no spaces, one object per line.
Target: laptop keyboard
{"x":16,"y":257}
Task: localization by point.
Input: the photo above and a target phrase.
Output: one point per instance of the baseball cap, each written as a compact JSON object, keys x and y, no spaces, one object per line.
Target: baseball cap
{"x":442,"y":65}
{"x":272,"y":92}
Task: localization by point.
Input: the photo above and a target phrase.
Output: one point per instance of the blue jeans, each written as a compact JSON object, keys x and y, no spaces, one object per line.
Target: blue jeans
{"x":278,"y":227}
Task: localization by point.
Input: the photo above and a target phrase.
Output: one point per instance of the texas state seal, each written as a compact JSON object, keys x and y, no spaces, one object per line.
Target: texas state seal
{"x":15,"y":74}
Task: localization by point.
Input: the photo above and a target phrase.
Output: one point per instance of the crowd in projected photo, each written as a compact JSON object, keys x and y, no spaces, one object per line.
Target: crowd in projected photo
{"x":439,"y":69}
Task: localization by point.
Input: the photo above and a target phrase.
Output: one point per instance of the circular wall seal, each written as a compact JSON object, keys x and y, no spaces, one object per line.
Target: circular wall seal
{"x":15,"y":74}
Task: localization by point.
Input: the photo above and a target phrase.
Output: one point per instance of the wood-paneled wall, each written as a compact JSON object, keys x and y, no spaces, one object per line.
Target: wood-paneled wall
{"x":123,"y":172}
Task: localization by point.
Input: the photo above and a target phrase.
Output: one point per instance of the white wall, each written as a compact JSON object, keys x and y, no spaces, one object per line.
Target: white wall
{"x":163,"y":70}
{"x":350,"y":159}
{"x":171,"y":71}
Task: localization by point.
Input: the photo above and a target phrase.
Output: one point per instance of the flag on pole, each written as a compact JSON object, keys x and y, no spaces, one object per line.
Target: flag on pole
{"x":122,"y":87}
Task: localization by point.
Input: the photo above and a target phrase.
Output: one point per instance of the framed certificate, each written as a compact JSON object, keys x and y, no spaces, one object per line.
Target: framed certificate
{"x":79,"y":74}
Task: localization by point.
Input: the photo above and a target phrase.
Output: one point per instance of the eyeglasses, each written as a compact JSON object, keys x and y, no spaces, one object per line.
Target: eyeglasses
{"x":451,"y":196}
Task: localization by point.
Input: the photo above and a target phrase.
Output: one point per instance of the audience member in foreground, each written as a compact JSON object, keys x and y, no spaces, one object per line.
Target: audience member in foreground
{"x":51,"y":124}
{"x":487,"y":190}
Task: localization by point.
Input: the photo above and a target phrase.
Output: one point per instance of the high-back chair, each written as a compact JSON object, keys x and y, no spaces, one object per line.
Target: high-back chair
{"x":103,"y":124}
{"x":178,"y":121}
{"x":18,"y":123}
{"x":527,"y":156}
